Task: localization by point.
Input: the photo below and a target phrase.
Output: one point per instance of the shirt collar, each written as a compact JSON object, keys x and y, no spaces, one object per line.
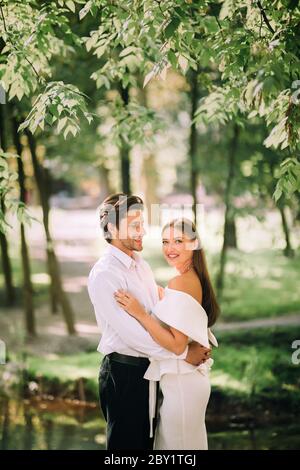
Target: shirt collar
{"x":128,"y":261}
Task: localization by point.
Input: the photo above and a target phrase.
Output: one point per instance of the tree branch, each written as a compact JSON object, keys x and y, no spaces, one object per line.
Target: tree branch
{"x":219,"y":24}
{"x":263,"y":13}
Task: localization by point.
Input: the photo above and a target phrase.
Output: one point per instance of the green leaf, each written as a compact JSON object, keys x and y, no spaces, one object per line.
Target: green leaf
{"x":84,"y":11}
{"x":172,"y":58}
{"x":277,"y":193}
{"x":184,"y":63}
{"x":148,"y":77}
{"x":127,"y":51}
{"x":61,"y":124}
{"x":171,"y":28}
{"x":71,"y":5}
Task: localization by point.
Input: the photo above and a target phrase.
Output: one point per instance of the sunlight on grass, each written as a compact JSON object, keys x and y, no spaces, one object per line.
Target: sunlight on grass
{"x":224,"y":380}
{"x":66,"y":367}
{"x":64,"y":419}
{"x":94,"y":424}
{"x":40,"y":278}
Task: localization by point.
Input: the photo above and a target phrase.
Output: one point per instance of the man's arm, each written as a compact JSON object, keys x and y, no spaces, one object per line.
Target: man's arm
{"x":129,"y":329}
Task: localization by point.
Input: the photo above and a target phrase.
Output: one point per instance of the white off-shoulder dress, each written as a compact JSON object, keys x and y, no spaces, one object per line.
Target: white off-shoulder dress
{"x":185,"y":388}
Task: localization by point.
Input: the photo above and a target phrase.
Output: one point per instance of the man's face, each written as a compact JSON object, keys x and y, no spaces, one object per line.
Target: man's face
{"x":131,"y":230}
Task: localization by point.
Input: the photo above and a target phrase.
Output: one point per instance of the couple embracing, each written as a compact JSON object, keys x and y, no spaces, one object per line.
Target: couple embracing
{"x":154,"y":378}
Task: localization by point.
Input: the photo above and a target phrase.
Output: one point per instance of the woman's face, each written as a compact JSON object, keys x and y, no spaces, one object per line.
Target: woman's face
{"x":177,"y":247}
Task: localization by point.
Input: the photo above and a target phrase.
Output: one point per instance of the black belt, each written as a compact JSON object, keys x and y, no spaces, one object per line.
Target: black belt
{"x":130,"y":360}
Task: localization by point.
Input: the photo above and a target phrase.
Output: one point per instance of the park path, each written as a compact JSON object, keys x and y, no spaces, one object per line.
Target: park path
{"x":283,"y":320}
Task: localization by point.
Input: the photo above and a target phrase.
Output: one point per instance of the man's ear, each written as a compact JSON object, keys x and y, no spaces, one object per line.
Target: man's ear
{"x":112,"y":230}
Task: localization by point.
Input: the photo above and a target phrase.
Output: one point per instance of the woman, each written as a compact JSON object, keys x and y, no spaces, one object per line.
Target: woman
{"x":184,"y":313}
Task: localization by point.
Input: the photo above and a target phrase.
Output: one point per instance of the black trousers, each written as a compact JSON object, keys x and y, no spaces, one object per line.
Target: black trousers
{"x":124,"y":400}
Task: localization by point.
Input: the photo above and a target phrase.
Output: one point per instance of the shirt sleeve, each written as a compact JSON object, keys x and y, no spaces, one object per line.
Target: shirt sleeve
{"x":128,"y":328}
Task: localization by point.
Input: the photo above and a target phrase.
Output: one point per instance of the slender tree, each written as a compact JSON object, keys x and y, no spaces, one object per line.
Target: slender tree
{"x":228,"y":206}
{"x":149,"y":170}
{"x":125,"y":148}
{"x":27,"y":284}
{"x":288,"y":250}
{"x":5,"y":258}
{"x":53,"y":264}
{"x":194,"y":94}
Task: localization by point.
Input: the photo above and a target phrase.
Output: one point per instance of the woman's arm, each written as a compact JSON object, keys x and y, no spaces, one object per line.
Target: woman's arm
{"x":168,"y":338}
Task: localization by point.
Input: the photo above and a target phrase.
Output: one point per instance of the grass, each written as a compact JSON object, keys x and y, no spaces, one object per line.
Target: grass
{"x":60,"y":374}
{"x":247,"y":364}
{"x":65,"y":367}
{"x":261,"y":284}
{"x":257,"y":362}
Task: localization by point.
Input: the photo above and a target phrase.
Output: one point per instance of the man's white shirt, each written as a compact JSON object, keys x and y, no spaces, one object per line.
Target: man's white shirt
{"x":120,"y":332}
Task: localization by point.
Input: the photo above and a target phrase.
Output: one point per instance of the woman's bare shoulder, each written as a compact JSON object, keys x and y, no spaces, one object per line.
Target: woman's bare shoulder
{"x":177,"y":283}
{"x":186,"y":284}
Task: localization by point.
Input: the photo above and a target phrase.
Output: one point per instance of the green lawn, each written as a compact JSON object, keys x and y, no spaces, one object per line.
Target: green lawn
{"x":261,"y":284}
{"x":256,"y":362}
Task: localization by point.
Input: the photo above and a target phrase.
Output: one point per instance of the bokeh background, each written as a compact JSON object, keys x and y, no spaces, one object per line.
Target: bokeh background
{"x":143,"y":140}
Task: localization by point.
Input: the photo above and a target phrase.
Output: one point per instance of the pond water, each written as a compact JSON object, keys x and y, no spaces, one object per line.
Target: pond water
{"x":54,"y":425}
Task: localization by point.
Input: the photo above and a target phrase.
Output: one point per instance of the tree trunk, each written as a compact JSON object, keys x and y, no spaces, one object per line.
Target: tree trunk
{"x":5,"y":259}
{"x":27,"y":285}
{"x":297,"y":209}
{"x":105,"y":189}
{"x":194,"y":94}
{"x":149,"y":174}
{"x":53,"y":265}
{"x":28,"y":290}
{"x":10,"y":296}
{"x":42,"y":181}
{"x":150,"y":184}
{"x":45,"y":175}
{"x":228,"y":208}
{"x":125,"y":150}
{"x":288,"y":250}
{"x":231,"y":233}
{"x":5,"y":425}
{"x":29,"y":435}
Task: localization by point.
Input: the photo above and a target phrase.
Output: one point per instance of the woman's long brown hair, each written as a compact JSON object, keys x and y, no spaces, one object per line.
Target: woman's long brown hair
{"x":209,"y":301}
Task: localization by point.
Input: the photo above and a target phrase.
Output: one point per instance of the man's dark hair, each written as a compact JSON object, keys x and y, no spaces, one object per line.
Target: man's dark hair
{"x":114,"y":208}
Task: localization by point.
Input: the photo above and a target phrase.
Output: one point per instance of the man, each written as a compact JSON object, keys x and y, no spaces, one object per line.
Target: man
{"x":126,"y":345}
